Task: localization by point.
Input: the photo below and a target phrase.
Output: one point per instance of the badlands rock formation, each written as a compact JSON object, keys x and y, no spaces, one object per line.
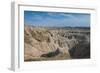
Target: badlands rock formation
{"x":42,"y":43}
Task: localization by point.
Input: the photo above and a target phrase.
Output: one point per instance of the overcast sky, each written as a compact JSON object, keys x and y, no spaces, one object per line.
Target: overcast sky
{"x":56,"y":19}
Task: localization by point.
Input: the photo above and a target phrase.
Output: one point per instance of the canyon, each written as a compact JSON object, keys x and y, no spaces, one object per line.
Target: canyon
{"x":53,"y":43}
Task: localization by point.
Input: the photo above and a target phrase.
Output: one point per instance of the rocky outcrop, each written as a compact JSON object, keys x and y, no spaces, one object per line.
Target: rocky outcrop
{"x":51,"y":54}
{"x":80,"y":51}
{"x":52,"y":43}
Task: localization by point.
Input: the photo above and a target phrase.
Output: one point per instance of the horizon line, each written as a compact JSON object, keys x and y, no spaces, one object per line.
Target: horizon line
{"x":52,"y":26}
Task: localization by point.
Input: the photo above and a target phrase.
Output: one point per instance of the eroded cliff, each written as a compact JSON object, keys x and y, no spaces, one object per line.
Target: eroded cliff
{"x":41,"y":43}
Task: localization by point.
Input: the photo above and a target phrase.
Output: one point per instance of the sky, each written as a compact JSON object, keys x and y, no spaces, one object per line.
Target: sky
{"x":56,"y":19}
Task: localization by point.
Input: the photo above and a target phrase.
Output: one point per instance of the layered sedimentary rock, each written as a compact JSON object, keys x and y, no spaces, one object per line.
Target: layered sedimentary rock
{"x":41,"y":43}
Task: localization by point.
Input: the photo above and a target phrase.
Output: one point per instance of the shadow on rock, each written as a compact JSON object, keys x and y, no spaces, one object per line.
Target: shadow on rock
{"x":80,"y":51}
{"x":51,"y":54}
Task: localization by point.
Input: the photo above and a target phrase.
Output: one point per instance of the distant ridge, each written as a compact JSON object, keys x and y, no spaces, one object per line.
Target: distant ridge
{"x":63,"y":27}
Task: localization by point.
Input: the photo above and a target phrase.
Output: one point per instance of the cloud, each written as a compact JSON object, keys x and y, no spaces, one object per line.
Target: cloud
{"x":57,"y":19}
